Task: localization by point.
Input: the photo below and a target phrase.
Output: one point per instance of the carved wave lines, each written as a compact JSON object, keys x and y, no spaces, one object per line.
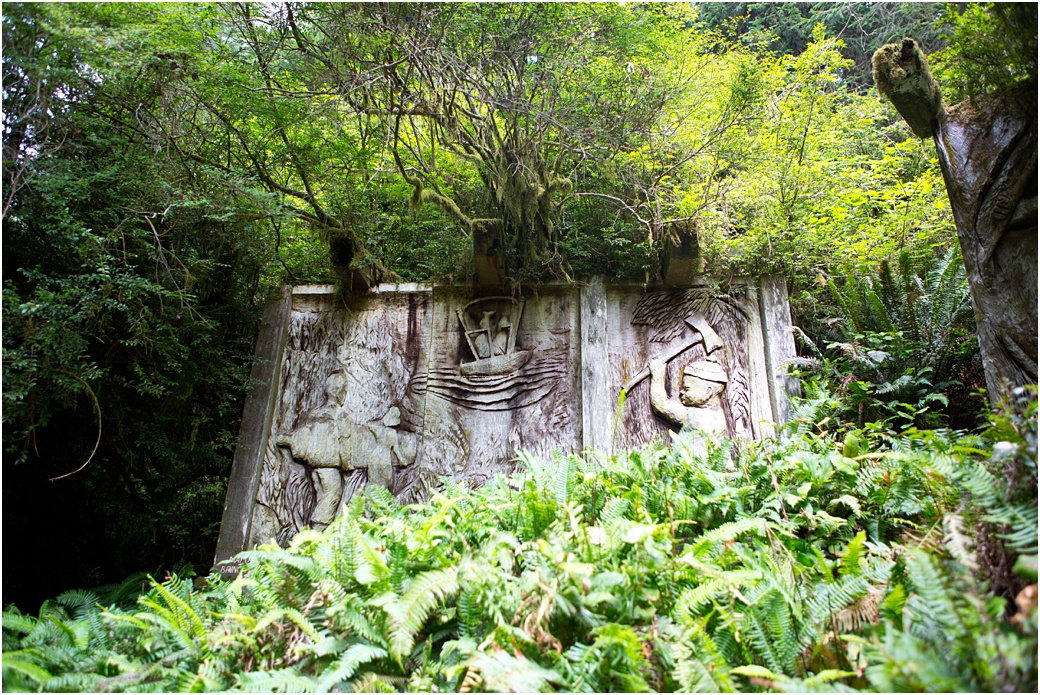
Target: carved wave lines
{"x":495,"y":393}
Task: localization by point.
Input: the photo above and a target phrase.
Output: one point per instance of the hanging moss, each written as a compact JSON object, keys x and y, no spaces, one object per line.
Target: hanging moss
{"x":901,"y":74}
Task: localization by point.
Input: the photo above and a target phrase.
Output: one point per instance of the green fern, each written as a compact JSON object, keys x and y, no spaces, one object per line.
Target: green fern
{"x":691,"y":600}
{"x":347,"y":664}
{"x":575,"y":568}
{"x":700,"y":667}
{"x":853,"y":555}
{"x":287,"y":680}
{"x":410,"y":611}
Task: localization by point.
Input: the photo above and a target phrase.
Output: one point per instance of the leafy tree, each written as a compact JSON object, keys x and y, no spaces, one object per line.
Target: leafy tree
{"x":824,"y":183}
{"x":787,"y":28}
{"x":992,"y":47}
{"x":129,"y":308}
{"x":489,"y":114}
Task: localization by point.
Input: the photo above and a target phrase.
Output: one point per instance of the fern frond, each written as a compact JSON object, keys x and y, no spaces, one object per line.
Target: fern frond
{"x":78,"y":601}
{"x":410,"y":612}
{"x":936,"y":598}
{"x":863,"y":610}
{"x":286,"y":680}
{"x":566,"y":479}
{"x":853,"y":555}
{"x":347,"y":664}
{"x":12,"y":662}
{"x":176,"y":617}
{"x":957,"y":542}
{"x":502,"y":672}
{"x":828,"y":599}
{"x":615,"y":510}
{"x":17,"y":622}
{"x":700,"y":667}
{"x":691,"y":600}
{"x":727,"y":532}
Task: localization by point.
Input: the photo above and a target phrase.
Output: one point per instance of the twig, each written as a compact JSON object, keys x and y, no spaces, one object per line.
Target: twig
{"x":97,"y":409}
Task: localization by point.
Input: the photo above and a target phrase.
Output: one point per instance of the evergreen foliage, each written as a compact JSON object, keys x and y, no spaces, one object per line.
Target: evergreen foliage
{"x":902,"y":349}
{"x":806,"y":563}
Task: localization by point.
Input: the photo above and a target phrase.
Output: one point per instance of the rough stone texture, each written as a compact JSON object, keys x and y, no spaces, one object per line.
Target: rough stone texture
{"x":988,"y":156}
{"x":247,"y":466}
{"x":409,"y":384}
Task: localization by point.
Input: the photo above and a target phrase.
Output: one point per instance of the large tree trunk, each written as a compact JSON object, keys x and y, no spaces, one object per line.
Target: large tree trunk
{"x":987,"y":151}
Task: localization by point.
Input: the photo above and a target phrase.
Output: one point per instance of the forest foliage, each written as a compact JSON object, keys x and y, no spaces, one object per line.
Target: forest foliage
{"x":819,"y":562}
{"x":166,"y":165}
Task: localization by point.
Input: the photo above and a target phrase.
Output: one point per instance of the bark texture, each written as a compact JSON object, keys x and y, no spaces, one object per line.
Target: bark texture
{"x":987,"y":151}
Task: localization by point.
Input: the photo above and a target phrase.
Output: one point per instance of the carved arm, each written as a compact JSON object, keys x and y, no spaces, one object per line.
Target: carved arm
{"x":668,"y":408}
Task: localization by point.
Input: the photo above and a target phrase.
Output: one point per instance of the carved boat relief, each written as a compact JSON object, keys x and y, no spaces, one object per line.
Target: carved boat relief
{"x":502,"y":376}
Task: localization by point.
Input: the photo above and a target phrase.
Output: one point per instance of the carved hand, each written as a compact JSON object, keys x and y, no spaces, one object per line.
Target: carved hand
{"x":656,"y":366}
{"x":668,"y":408}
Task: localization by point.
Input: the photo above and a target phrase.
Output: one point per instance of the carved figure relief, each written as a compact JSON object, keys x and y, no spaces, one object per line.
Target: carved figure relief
{"x":408,"y":386}
{"x":702,"y":382}
{"x":699,"y":404}
{"x":694,"y":369}
{"x":346,"y":418}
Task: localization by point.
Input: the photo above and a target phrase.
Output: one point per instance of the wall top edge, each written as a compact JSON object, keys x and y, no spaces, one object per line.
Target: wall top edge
{"x":385,"y":288}
{"x":408,"y":287}
{"x":314,"y":289}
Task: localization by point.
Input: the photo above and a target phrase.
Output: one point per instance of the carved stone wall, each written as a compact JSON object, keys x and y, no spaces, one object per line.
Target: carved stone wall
{"x":413,"y":383}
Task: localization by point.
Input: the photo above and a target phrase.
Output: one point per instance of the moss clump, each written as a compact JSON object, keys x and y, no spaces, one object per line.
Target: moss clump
{"x":901,"y":73}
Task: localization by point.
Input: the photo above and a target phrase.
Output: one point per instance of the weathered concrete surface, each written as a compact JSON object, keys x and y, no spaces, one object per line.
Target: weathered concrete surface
{"x":680,"y":328}
{"x":256,"y":421}
{"x":775,"y":311}
{"x":596,"y":430}
{"x":988,"y":156}
{"x":408,"y":384}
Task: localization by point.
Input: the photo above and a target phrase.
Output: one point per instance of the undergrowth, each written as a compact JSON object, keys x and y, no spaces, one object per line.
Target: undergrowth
{"x":816,"y":562}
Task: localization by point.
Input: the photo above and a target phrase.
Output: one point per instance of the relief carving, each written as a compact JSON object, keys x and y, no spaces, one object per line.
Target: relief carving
{"x":699,"y":405}
{"x":345,"y":417}
{"x":408,"y":389}
{"x":492,"y":340}
{"x":696,"y":366}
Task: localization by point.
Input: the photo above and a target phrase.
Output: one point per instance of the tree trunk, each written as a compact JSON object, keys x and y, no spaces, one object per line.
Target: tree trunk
{"x":988,"y":155}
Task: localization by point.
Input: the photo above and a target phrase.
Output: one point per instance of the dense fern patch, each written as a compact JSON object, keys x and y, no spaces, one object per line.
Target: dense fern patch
{"x":803,"y":563}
